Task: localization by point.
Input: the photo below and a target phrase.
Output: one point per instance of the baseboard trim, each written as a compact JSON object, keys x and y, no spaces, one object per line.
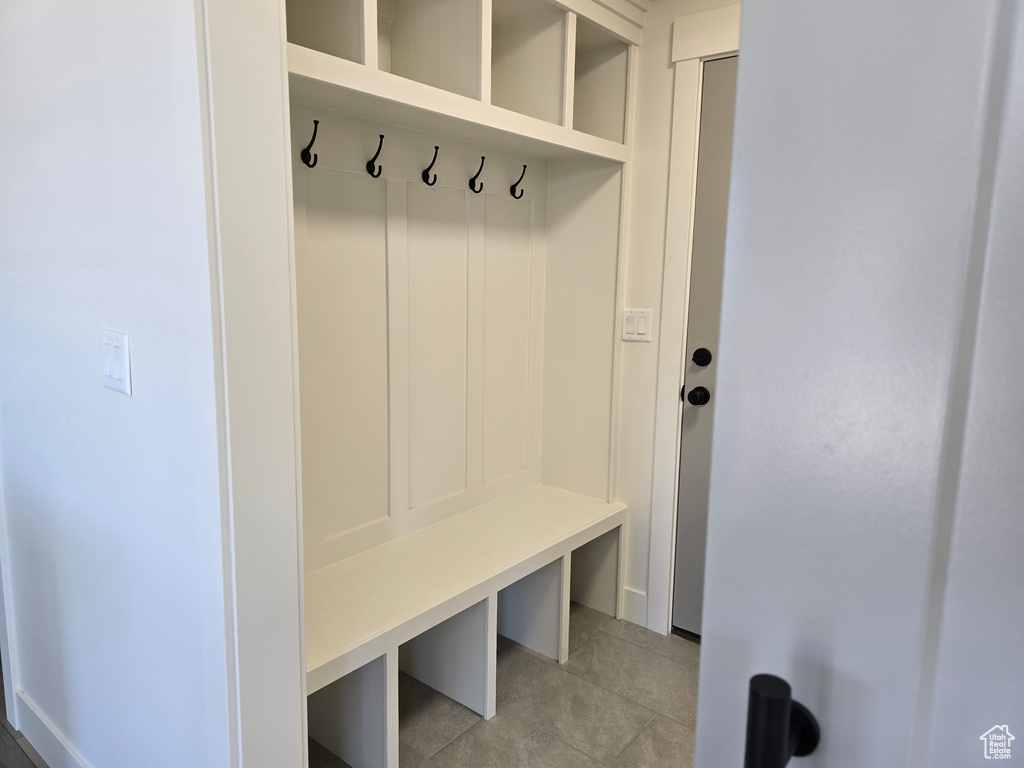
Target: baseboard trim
{"x":634,"y":606}
{"x":44,"y":736}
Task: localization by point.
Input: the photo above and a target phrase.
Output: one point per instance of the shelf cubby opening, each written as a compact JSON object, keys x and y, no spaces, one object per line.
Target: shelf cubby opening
{"x":599,"y":104}
{"x":531,"y":611}
{"x":334,"y":27}
{"x":454,"y":658}
{"x":348,"y":718}
{"x":595,"y":577}
{"x":436,"y":42}
{"x":528,"y":58}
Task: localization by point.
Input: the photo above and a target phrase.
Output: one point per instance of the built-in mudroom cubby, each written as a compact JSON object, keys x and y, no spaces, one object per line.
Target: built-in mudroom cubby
{"x":528,"y":45}
{"x":457,"y":288}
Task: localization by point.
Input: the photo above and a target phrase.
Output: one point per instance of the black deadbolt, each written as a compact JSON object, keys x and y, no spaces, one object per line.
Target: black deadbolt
{"x":702,"y":356}
{"x":699,"y":396}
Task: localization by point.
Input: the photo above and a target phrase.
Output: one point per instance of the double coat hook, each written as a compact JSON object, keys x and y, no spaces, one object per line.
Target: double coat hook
{"x":514,"y":187}
{"x":371,"y":165}
{"x":426,"y":171}
{"x":307,"y":158}
{"x":472,"y":182}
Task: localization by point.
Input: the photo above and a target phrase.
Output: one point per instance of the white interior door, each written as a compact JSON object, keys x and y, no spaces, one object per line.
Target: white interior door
{"x":865,"y":528}
{"x":704,"y":309}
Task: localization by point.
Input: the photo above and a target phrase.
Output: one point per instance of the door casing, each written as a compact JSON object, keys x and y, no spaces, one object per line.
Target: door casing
{"x":697,"y":38}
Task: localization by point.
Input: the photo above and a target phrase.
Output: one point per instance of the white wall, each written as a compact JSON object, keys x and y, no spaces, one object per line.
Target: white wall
{"x":584,"y":196}
{"x":860,"y":131}
{"x":113,"y":528}
{"x":652,"y":132}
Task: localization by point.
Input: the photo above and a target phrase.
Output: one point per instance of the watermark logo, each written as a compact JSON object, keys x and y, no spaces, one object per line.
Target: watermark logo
{"x":997,"y":742}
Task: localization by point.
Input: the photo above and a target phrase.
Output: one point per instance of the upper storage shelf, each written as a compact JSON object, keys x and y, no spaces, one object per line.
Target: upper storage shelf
{"x":436,"y":42}
{"x":334,"y":27}
{"x":599,"y":106}
{"x":528,"y":43}
{"x":498,"y":72}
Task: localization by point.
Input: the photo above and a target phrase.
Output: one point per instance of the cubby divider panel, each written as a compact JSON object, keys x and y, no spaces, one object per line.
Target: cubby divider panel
{"x":457,"y":657}
{"x":596,"y":573}
{"x":350,"y":716}
{"x":534,"y":611}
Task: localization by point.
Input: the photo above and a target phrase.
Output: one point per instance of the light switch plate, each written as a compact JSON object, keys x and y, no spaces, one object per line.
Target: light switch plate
{"x":636,"y":325}
{"x":117,"y":362}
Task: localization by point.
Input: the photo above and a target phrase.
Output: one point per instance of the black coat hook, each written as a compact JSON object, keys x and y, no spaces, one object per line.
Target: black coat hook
{"x":512,"y":189}
{"x":426,"y":172}
{"x":304,"y":154}
{"x":472,"y":182}
{"x":371,"y":165}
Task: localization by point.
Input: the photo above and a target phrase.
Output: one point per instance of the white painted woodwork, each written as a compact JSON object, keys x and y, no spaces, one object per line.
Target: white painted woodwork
{"x":360,"y":607}
{"x":530,"y":610}
{"x":258,"y":535}
{"x":627,"y":10}
{"x":599,"y":99}
{"x":451,"y":389}
{"x":710,"y":33}
{"x":341,"y":289}
{"x":385,"y":16}
{"x":371,"y":37}
{"x":335,"y":83}
{"x":580,"y":321}
{"x":331,"y":26}
{"x":453,"y":657}
{"x":528,"y":59}
{"x":711,"y":36}
{"x":437,"y":42}
{"x":391,"y":707}
{"x":595,"y":574}
{"x":569,"y":74}
{"x":350,"y":716}
{"x":615,"y":22}
{"x":438,"y":262}
{"x":507,"y":298}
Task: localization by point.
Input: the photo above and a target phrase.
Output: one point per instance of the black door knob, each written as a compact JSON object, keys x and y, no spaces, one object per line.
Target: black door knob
{"x":699,"y":396}
{"x":702,"y":356}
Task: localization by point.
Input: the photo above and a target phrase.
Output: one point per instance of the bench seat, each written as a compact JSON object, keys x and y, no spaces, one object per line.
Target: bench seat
{"x":360,"y":607}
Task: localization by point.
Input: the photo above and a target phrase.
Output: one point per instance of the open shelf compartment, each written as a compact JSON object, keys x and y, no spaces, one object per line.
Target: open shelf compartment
{"x":528,"y":47}
{"x":599,"y":102}
{"x":436,"y":42}
{"x":334,"y":27}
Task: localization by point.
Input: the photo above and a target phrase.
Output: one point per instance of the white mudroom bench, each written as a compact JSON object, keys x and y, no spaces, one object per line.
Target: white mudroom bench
{"x":433,"y":602}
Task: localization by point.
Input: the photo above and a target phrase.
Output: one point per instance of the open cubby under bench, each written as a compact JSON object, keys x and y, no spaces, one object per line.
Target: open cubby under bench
{"x":433,"y":602}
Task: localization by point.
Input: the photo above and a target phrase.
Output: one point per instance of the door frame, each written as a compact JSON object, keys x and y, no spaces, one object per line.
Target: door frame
{"x":697,"y":38}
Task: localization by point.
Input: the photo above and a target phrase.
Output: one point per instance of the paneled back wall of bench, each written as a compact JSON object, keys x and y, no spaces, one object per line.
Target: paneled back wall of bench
{"x":454,"y":347}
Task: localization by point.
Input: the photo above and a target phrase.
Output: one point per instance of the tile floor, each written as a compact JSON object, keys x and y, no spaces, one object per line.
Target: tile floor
{"x":627,"y":698}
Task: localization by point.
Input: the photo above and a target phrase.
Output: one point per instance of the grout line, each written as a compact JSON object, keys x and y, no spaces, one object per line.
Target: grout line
{"x":642,"y":647}
{"x":622,"y":695}
{"x":638,"y":734}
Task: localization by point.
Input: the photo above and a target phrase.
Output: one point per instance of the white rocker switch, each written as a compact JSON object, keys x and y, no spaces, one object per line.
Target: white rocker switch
{"x":636,"y":325}
{"x":117,"y":366}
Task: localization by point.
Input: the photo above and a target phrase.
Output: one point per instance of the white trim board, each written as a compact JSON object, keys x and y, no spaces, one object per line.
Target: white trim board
{"x":52,"y":745}
{"x":706,"y":35}
{"x":711,"y":34}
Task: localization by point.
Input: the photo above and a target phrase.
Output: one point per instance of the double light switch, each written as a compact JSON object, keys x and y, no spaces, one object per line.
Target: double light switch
{"x":636,"y":325}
